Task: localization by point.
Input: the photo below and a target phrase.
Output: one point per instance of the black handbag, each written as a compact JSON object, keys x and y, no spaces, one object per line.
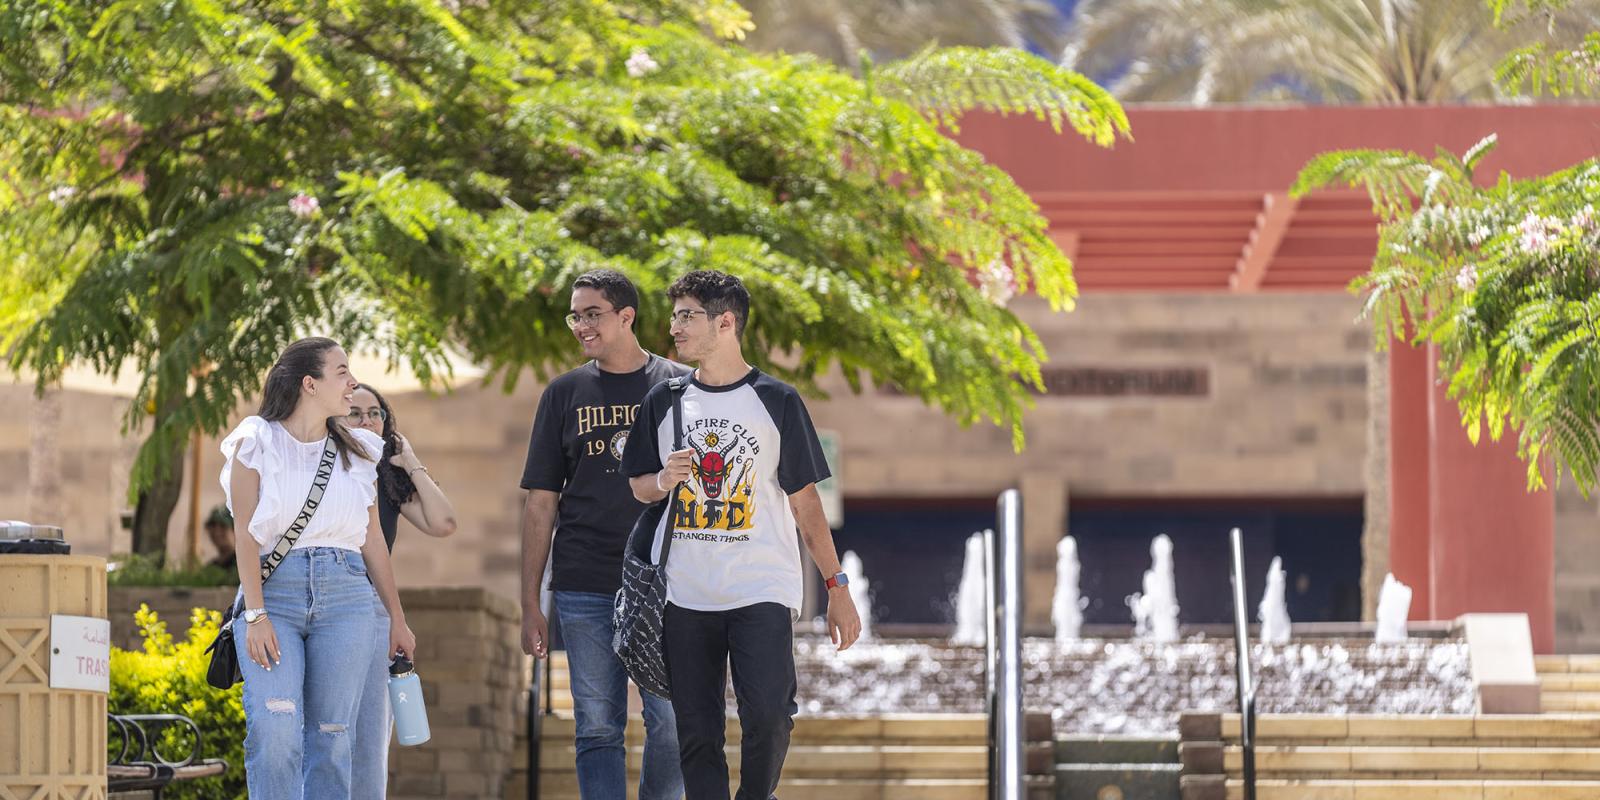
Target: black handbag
{"x":223,"y":672}
{"x":637,"y":617}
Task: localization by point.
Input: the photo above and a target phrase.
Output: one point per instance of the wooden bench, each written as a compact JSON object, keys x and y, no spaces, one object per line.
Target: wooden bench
{"x":140,"y":769}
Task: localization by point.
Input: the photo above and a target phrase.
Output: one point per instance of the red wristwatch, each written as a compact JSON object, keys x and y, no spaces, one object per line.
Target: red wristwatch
{"x":838,"y":580}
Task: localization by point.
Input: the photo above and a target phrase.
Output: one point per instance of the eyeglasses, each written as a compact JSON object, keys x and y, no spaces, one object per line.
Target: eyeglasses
{"x":684,"y":316}
{"x":589,"y":318}
{"x":356,"y":415}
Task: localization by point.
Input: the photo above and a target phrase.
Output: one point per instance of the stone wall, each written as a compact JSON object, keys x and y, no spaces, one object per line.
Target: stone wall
{"x":1284,"y":415}
{"x":173,"y":605}
{"x":1577,"y":580}
{"x":471,"y":665}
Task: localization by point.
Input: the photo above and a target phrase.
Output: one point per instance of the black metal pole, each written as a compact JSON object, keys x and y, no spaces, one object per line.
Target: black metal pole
{"x":991,"y":561}
{"x":534,"y":728}
{"x":549,"y":685}
{"x":1247,"y":693}
{"x":1009,"y":678}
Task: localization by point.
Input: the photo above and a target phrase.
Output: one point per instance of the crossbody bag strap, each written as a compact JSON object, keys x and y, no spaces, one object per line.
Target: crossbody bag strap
{"x":319,"y":487}
{"x":677,"y":385}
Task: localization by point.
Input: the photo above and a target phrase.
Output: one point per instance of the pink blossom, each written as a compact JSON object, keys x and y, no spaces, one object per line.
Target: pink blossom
{"x":574,"y":151}
{"x":1584,"y":220}
{"x":641,"y":64}
{"x":997,"y":283}
{"x":1467,"y":278}
{"x":1537,"y":235}
{"x":303,"y":206}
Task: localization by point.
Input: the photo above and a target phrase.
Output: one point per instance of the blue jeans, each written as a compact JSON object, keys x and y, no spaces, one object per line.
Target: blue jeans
{"x":370,"y":751}
{"x":299,"y":715}
{"x":600,"y":705}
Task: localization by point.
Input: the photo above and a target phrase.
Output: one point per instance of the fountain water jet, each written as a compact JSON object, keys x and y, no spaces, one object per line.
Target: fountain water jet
{"x":1155,"y":610}
{"x":1394,"y":606}
{"x":970,"y":602}
{"x":1066,"y":610}
{"x":1274,"y":610}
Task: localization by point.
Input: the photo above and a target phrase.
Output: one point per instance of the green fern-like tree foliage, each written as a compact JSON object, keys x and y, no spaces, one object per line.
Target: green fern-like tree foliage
{"x":1505,"y":280}
{"x":467,"y":159}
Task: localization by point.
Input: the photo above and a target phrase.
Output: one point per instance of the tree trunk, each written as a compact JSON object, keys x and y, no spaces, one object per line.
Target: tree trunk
{"x":44,"y":459}
{"x":153,"y":512}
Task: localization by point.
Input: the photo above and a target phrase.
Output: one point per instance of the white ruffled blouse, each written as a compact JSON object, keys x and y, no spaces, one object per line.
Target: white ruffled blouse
{"x":286,"y":466}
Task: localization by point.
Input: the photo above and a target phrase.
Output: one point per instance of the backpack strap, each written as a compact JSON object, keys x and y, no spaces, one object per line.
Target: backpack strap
{"x":676,"y":385}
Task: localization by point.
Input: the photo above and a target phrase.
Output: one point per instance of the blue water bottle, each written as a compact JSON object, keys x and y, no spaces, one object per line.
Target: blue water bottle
{"x":405,"y":701}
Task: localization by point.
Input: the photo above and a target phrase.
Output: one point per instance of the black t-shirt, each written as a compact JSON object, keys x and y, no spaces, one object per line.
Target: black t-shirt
{"x":579,"y":434}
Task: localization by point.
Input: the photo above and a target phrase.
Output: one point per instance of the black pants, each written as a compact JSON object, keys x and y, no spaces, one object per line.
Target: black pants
{"x":758,"y":641}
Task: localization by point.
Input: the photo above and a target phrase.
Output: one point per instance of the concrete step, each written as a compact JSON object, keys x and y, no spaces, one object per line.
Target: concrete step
{"x":1506,"y":763}
{"x":1558,"y":702}
{"x":1567,"y":663}
{"x":1272,"y":789}
{"x":1115,"y":750}
{"x":565,"y":787}
{"x":1128,"y":781}
{"x":886,"y":729}
{"x":1569,"y":681}
{"x":842,"y":761}
{"x":1379,"y":729}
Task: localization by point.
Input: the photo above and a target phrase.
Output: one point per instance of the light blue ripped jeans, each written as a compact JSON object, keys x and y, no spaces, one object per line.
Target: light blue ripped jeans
{"x":300,"y":715}
{"x":369,"y":768}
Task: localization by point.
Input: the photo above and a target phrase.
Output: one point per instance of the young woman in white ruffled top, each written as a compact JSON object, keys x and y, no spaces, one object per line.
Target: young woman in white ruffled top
{"x":309,"y":629}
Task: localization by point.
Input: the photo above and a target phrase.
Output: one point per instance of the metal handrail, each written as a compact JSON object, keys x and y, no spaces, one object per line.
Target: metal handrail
{"x":1007,"y":782}
{"x":1247,"y":692}
{"x":550,"y":686}
{"x":990,"y":699}
{"x":540,"y":683}
{"x":535,"y":728}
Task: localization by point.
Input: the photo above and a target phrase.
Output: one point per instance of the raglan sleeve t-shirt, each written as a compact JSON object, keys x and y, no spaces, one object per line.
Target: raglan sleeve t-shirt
{"x":734,"y":541}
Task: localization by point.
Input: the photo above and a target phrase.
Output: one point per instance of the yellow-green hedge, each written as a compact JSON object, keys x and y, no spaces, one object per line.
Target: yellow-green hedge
{"x":169,"y":677}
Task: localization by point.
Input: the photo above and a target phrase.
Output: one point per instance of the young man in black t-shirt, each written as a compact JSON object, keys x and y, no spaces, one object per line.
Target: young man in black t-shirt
{"x":577,"y":492}
{"x":743,"y":482}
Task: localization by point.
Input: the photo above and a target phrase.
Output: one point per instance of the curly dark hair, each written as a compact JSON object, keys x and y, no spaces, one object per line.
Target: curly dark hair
{"x":613,"y":286}
{"x":719,"y":292}
{"x":392,"y":480}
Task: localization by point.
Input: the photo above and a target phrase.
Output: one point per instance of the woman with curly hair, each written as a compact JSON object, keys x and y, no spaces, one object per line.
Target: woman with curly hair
{"x":405,"y":488}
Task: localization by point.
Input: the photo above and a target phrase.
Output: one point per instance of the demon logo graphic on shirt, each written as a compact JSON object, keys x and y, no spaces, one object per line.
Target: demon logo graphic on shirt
{"x":720,"y":496}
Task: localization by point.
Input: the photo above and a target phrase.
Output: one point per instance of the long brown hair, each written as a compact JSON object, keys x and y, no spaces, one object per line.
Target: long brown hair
{"x":280,"y":396}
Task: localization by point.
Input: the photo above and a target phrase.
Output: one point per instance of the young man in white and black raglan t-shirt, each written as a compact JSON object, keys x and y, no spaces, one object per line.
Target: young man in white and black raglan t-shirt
{"x":745,"y":480}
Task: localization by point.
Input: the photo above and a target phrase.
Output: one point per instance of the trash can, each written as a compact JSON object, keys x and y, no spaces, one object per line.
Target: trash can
{"x":54,"y":671}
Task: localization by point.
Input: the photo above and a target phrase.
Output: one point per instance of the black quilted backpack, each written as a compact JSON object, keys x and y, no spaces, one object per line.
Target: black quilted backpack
{"x":642,"y":601}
